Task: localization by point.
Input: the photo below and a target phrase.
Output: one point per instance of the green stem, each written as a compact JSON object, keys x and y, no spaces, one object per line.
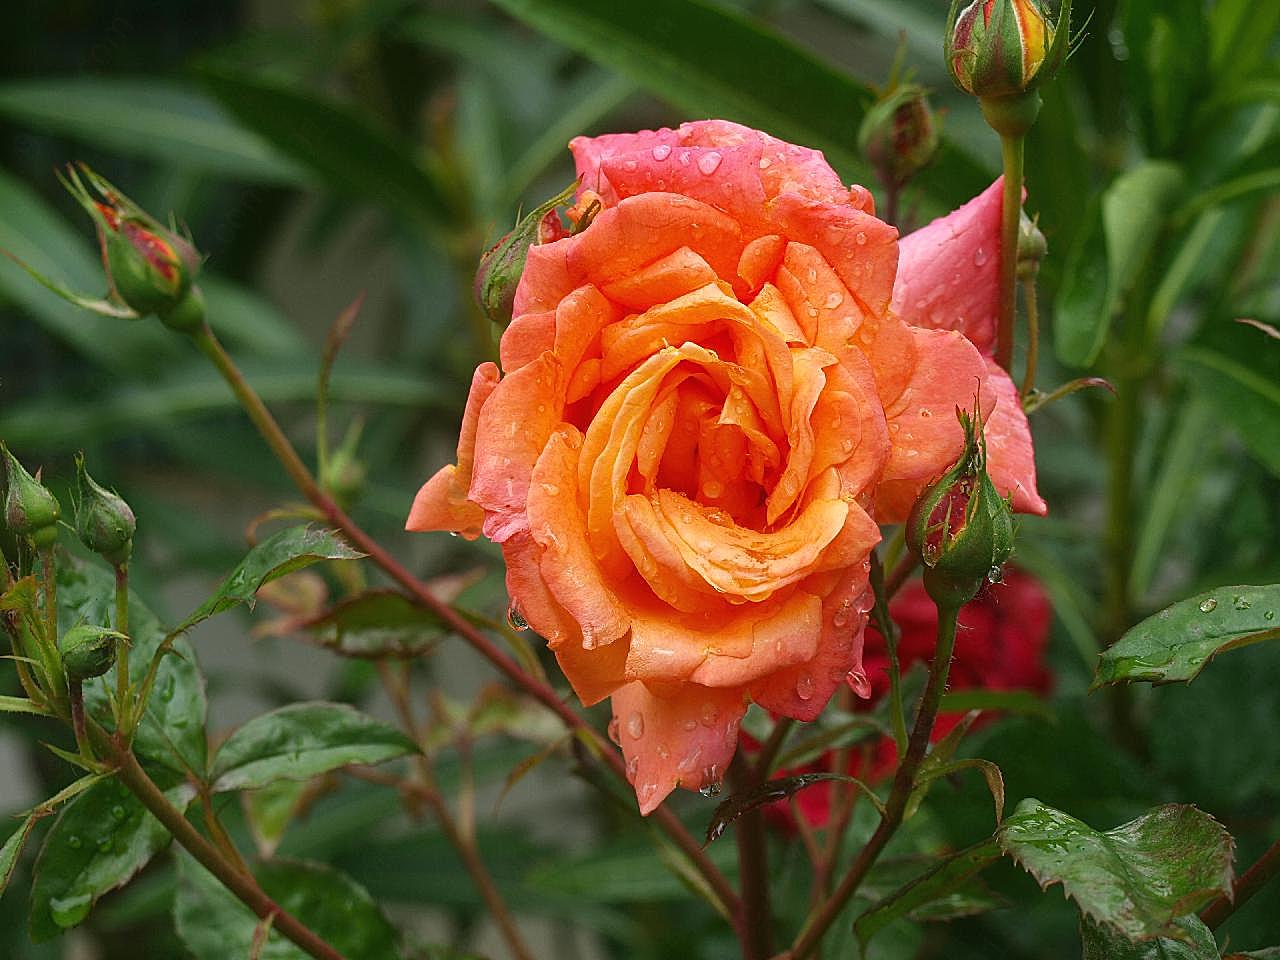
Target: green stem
{"x":903,"y":782}
{"x":122,"y":657}
{"x":76,"y":694}
{"x":240,"y":883}
{"x":419,"y":592}
{"x":1033,"y":335}
{"x":1010,"y":212}
{"x":1266,"y":868}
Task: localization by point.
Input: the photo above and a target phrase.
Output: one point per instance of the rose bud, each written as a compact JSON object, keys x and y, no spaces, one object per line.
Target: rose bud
{"x":150,"y":267}
{"x":30,"y":510}
{"x":1002,"y":48}
{"x":88,"y":651}
{"x":899,"y":136}
{"x":961,"y":529}
{"x":503,"y":263}
{"x":104,"y":522}
{"x":1031,"y":247}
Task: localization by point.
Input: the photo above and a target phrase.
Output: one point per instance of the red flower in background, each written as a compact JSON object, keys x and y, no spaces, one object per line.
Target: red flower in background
{"x":1000,"y":645}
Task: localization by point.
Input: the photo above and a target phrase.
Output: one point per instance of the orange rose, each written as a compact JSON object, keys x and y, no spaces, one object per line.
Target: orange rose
{"x":706,"y":407}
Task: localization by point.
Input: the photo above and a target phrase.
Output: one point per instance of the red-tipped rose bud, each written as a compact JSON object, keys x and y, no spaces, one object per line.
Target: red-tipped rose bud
{"x":960,"y":529}
{"x":899,"y":135}
{"x":503,"y":263}
{"x":1002,"y":48}
{"x":150,"y":267}
{"x":30,"y":510}
{"x":104,"y":522}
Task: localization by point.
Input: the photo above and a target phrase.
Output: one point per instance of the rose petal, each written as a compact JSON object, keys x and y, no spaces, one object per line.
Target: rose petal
{"x":1010,"y":457}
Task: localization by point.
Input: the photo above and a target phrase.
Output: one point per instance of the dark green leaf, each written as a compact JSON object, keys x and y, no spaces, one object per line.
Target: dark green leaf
{"x":375,"y":625}
{"x":172,"y":731}
{"x":354,"y":157}
{"x":1082,"y":311}
{"x":302,"y":740}
{"x":269,"y":811}
{"x":1166,"y":64}
{"x":12,"y":850}
{"x":1138,"y":878}
{"x":1178,"y":642}
{"x":1195,"y":942}
{"x":99,"y":841}
{"x":214,"y":925}
{"x":150,"y":118}
{"x":710,"y":61}
{"x":945,"y":879}
{"x":1240,"y":34}
{"x":1268,"y":953}
{"x":1243,"y":397}
{"x":772,"y":791}
{"x":282,"y":553}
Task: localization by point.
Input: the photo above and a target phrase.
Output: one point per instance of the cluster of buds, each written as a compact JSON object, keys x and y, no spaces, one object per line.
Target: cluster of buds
{"x":1001,"y":51}
{"x":960,"y":528}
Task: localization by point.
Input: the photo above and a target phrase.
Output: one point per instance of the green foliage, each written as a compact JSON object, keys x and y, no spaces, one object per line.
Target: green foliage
{"x":376,"y":624}
{"x":1194,"y":942}
{"x":12,"y":850}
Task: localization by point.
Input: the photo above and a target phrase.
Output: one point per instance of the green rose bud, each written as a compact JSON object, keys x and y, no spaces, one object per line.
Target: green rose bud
{"x":30,"y":510}
{"x":88,"y":651}
{"x":898,"y":135}
{"x":1031,"y":247}
{"x":960,"y":528}
{"x":104,"y":522}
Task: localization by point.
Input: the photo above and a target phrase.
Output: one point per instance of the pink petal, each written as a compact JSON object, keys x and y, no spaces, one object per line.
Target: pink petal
{"x":1010,"y":457}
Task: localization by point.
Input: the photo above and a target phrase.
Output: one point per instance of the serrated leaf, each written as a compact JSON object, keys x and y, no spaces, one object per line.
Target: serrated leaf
{"x":303,"y":740}
{"x":1139,"y":877}
{"x":1195,"y":942}
{"x":286,"y":551}
{"x":99,"y":842}
{"x":214,"y":925}
{"x":946,"y":878}
{"x":12,"y":850}
{"x":22,"y":705}
{"x":376,"y":624}
{"x":1177,"y":643}
{"x":772,"y":791}
{"x":172,"y":730}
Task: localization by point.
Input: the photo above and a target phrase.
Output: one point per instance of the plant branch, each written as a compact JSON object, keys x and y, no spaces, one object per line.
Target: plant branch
{"x":1247,"y":884}
{"x":1011,"y":212}
{"x":1033,"y":335}
{"x":903,"y":782}
{"x":756,"y":929}
{"x":122,"y":656}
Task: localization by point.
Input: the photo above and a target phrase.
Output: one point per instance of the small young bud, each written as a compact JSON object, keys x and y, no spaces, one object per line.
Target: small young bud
{"x":30,"y":510}
{"x":503,"y":263}
{"x":1001,"y":48}
{"x":899,"y":135}
{"x":960,"y":529}
{"x":88,"y":651}
{"x":1031,"y":247}
{"x":104,"y":522}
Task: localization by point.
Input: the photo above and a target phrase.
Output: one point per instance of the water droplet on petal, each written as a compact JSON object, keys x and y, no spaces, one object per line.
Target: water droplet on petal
{"x":804,"y":687}
{"x":858,"y":683}
{"x":630,"y":166}
{"x":646,"y":792}
{"x":709,"y":715}
{"x":841,"y":617}
{"x":708,"y":163}
{"x":860,"y":238}
{"x":633,"y":767}
{"x":661,"y":152}
{"x":1208,"y":605}
{"x":515,"y":619}
{"x":731,"y":732}
{"x":615,"y":731}
{"x":846,"y":445}
{"x":979,"y":257}
{"x":635,"y":725}
{"x":995,"y":575}
{"x":690,"y":724}
{"x":834,"y":300}
{"x":550,"y":489}
{"x":925,"y":413}
{"x":711,"y":781}
{"x":713,"y":488}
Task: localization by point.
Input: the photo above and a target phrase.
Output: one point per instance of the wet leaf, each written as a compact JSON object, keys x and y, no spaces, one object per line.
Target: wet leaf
{"x":269,"y":810}
{"x":214,"y":925}
{"x":286,"y":551}
{"x":1195,"y":942}
{"x":1177,"y":643}
{"x":99,"y":842}
{"x":1138,"y":878}
{"x":944,"y":880}
{"x":302,"y":740}
{"x":772,"y":791}
{"x":375,"y":625}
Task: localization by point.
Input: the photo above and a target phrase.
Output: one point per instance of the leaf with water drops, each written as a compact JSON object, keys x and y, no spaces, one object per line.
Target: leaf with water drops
{"x":301,"y":741}
{"x":1195,"y":942}
{"x":949,"y":878}
{"x":1177,"y":643}
{"x":285,"y":552}
{"x":214,"y":925}
{"x":99,"y":842}
{"x":172,"y":730}
{"x":1138,"y":878}
{"x":772,"y":791}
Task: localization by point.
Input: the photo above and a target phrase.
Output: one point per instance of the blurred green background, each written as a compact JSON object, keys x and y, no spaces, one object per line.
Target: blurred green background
{"x":317,"y":150}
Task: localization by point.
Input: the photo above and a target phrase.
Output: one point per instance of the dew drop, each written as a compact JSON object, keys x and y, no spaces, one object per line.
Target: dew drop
{"x":630,"y":166}
{"x":74,"y":842}
{"x":615,"y":731}
{"x":995,"y":575}
{"x":661,"y":151}
{"x":709,"y":715}
{"x":708,"y":163}
{"x":515,"y":619}
{"x":834,"y":300}
{"x":1269,"y":615}
{"x":633,"y":767}
{"x":105,"y":844}
{"x":765,"y":163}
{"x":646,"y":792}
{"x":804,"y":687}
{"x":713,"y":488}
{"x":979,"y":257}
{"x":663,"y":752}
{"x":925,"y":413}
{"x":1241,"y":603}
{"x":686,"y":518}
{"x":858,"y":683}
{"x":550,"y":489}
{"x":117,"y":812}
{"x":860,"y":238}
{"x":711,"y":782}
{"x":690,"y":760}
{"x":846,"y":445}
{"x":1208,"y":605}
{"x":731,"y":732}
{"x":841,"y":617}
{"x":635,"y":725}
{"x":689,"y":724}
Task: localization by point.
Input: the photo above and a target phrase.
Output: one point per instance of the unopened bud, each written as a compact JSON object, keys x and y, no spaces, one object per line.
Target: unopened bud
{"x":960,"y":528}
{"x":1031,"y":247}
{"x":104,"y":522}
{"x":1001,"y":48}
{"x":30,"y":510}
{"x":899,"y":135}
{"x":88,"y":651}
{"x":503,"y":263}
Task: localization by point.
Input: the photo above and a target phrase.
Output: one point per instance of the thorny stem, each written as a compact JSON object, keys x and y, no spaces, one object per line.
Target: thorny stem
{"x":418,"y":591}
{"x":753,"y":866}
{"x":903,"y":782}
{"x":1011,"y":153}
{"x":1247,"y":884}
{"x":1033,"y":335}
{"x":240,"y":883}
